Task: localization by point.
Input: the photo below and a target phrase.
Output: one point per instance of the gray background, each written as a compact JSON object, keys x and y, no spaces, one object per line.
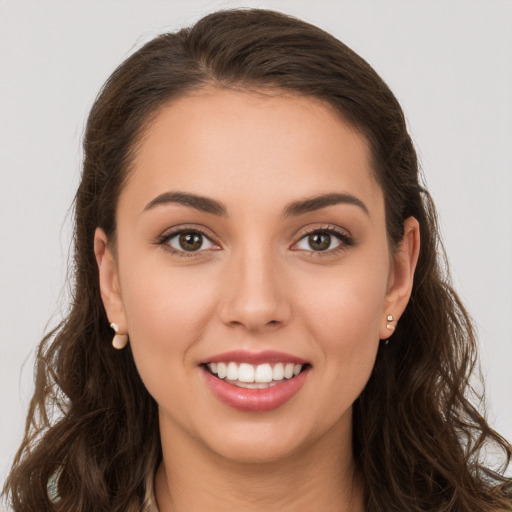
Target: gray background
{"x":448,"y":62}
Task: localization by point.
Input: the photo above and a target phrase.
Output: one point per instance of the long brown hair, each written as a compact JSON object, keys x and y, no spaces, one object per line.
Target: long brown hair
{"x":92,"y":439}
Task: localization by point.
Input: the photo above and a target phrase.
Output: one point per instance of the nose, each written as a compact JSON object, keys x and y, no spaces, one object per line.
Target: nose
{"x":254,"y":295}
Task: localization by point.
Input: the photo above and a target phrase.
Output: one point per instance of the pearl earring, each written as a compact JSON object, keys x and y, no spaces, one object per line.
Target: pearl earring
{"x":119,"y":341}
{"x":389,"y":326}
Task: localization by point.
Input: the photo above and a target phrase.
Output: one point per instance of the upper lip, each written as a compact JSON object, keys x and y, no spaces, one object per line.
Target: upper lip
{"x":244,"y":356}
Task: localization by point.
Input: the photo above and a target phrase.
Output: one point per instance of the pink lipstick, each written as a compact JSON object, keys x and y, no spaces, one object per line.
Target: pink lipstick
{"x":255,"y":381}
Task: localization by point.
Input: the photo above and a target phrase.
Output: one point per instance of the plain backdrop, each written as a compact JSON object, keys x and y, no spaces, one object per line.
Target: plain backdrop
{"x":448,"y":62}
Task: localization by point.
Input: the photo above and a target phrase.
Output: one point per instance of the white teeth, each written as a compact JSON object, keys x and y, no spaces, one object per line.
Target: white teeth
{"x":245,"y":372}
{"x":278,"y":372}
{"x":251,"y":376}
{"x":254,"y":385}
{"x":232,"y":373}
{"x":221,"y":370}
{"x":263,"y":373}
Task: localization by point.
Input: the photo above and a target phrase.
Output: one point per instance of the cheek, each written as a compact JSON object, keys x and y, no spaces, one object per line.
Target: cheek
{"x":342,"y":312}
{"x":348,"y":301}
{"x":165,"y":310}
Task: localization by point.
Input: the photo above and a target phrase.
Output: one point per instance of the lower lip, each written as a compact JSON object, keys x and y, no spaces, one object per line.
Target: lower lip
{"x":255,"y":400}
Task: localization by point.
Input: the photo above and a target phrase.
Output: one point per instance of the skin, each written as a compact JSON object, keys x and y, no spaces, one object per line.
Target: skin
{"x":258,"y":285}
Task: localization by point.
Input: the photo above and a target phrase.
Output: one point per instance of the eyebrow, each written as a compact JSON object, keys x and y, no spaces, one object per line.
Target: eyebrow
{"x":208,"y":205}
{"x":322,"y":201}
{"x":203,"y":204}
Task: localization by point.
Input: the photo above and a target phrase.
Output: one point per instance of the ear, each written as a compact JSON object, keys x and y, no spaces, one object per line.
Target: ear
{"x":109,"y":280}
{"x":401,"y":276}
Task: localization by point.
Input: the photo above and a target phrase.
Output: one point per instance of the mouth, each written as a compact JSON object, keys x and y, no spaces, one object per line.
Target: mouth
{"x":255,"y":382}
{"x":250,"y":376}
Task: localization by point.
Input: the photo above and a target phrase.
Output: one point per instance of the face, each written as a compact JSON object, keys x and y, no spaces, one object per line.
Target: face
{"x":251,"y":235}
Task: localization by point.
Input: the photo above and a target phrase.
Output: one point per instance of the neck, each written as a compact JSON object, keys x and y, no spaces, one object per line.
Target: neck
{"x":318,"y":478}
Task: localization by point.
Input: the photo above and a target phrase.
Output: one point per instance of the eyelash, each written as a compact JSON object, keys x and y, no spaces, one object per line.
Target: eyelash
{"x":166,"y":237}
{"x":345,"y":240}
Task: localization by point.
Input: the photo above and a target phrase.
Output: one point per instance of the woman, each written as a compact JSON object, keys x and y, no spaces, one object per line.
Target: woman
{"x":251,"y":226}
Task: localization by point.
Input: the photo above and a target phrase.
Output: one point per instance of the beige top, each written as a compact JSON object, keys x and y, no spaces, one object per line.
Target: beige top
{"x":149,"y":504}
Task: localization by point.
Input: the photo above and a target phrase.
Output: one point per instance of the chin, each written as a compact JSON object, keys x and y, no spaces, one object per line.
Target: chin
{"x":257,"y":452}
{"x":262,"y":442}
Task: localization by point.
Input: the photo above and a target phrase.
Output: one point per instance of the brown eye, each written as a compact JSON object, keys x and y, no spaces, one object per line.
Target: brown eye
{"x":323,"y":240}
{"x":319,"y":241}
{"x":190,"y":241}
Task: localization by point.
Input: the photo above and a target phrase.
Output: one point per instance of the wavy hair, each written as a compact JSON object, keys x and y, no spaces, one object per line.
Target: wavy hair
{"x":92,"y":439}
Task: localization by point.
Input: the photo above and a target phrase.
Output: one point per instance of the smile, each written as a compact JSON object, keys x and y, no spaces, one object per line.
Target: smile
{"x":250,"y":376}
{"x":248,"y":386}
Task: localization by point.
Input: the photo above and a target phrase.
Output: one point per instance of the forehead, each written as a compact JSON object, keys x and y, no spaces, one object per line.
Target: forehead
{"x":251,"y":145}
